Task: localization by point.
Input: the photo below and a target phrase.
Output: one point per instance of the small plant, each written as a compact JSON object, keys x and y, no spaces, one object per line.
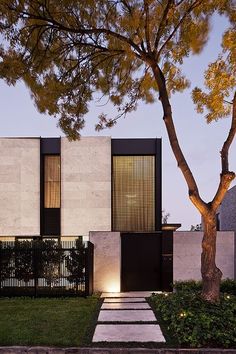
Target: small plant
{"x":197,"y":227}
{"x":165,"y":216}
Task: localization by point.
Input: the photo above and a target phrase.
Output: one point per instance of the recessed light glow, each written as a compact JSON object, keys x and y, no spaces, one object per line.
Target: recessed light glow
{"x":113,"y":287}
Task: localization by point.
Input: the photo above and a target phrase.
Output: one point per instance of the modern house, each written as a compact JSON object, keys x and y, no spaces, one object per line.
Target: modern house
{"x":53,"y":187}
{"x":108,"y":191}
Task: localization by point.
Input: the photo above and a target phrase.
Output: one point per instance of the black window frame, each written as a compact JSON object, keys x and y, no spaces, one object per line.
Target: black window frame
{"x":141,"y":147}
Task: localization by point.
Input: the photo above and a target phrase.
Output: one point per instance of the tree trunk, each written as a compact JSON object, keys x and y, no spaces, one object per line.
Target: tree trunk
{"x":211,"y":275}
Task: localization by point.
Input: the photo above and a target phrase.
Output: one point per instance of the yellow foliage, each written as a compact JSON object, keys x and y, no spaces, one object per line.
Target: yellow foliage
{"x":66,"y":50}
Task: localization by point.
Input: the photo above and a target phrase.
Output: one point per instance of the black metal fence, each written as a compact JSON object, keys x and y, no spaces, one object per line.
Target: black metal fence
{"x":46,"y":268}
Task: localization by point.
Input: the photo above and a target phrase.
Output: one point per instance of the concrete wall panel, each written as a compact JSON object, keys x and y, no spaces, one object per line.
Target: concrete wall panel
{"x":107,"y":260}
{"x":187,"y":254}
{"x":85,"y":185}
{"x":20,"y":187}
{"x":228,"y":211}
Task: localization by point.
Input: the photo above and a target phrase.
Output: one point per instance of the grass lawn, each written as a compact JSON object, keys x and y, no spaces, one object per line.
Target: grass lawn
{"x":53,"y":322}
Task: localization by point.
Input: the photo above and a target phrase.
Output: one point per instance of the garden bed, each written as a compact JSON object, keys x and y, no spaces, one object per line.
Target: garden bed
{"x":189,"y":321}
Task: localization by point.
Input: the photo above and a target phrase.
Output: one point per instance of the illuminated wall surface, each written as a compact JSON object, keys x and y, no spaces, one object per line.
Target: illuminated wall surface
{"x":133,"y":193}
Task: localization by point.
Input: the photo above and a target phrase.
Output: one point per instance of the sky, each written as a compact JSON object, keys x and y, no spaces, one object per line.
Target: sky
{"x":200,"y":142}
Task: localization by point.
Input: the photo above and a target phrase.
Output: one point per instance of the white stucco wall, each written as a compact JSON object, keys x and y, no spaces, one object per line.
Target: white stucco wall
{"x":107,"y":260}
{"x":187,"y":254}
{"x":85,"y":185}
{"x":19,"y":187}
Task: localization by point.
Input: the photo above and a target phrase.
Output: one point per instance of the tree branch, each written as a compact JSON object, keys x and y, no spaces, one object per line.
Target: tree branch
{"x":162,"y":23}
{"x":146,"y":26}
{"x":229,"y":140}
{"x":226,"y":176}
{"x":182,"y":163}
{"x":59,"y":26}
{"x":195,"y":4}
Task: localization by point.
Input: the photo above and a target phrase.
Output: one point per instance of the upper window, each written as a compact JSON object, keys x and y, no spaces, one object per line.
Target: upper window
{"x":52,"y":178}
{"x":133,"y":193}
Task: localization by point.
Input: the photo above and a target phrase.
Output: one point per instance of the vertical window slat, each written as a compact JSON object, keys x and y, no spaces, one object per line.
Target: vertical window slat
{"x":133,"y":193}
{"x":52,"y":179}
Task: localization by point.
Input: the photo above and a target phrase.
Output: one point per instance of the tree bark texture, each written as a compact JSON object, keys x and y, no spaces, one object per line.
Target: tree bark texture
{"x":211,"y":275}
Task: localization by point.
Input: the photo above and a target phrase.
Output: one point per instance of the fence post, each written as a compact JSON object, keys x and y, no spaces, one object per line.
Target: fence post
{"x":35,"y":262}
{"x":0,"y":268}
{"x":89,"y":269}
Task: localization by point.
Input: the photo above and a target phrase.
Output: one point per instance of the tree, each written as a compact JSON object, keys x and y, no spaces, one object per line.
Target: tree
{"x":75,"y":264}
{"x":52,"y":257}
{"x":128,"y":50}
{"x":24,"y":261}
{"x":6,"y":262}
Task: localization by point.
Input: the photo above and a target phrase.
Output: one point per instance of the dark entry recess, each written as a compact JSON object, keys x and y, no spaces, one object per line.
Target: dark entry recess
{"x":147,"y":261}
{"x":141,"y":261}
{"x":167,"y":261}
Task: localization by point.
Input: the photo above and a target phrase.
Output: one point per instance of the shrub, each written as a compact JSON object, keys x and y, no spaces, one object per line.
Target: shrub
{"x":75,"y":263}
{"x":6,"y":262}
{"x":196,"y":323}
{"x":189,"y":286}
{"x":24,"y":265}
{"x":226,"y":286}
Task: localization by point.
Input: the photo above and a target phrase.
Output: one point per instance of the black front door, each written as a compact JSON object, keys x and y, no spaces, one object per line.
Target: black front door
{"x":141,"y":261}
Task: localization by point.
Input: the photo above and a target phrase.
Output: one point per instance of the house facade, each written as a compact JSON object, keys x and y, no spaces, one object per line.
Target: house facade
{"x":108,"y":191}
{"x":51,"y":187}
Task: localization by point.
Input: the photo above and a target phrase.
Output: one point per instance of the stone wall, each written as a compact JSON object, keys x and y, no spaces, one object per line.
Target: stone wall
{"x":85,"y":185}
{"x":107,"y":260}
{"x":186,"y":257}
{"x":187,"y":254}
{"x":19,"y":186}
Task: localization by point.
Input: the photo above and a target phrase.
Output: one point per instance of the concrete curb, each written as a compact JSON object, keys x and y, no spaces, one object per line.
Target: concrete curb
{"x":72,"y":350}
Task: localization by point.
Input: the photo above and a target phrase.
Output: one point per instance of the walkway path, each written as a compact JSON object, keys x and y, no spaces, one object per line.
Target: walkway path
{"x":127,"y":317}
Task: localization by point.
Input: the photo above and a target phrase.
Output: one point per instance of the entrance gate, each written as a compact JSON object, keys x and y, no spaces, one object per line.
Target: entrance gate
{"x":146,"y":261}
{"x":140,"y":262}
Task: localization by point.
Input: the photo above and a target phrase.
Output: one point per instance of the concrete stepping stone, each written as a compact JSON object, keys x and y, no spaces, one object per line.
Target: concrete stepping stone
{"x":131,"y":294}
{"x":128,"y":333}
{"x":126,"y":316}
{"x":124,"y":299}
{"x":125,"y":306}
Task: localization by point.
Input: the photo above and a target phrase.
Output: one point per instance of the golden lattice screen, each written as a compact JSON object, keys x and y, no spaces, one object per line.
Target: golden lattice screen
{"x":52,"y":177}
{"x":133,"y":193}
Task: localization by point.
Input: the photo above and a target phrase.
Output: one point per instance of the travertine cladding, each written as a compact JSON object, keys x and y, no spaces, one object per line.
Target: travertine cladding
{"x":187,"y":254}
{"x":85,"y":185}
{"x":227,"y":212}
{"x":107,"y":260}
{"x":19,"y":186}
